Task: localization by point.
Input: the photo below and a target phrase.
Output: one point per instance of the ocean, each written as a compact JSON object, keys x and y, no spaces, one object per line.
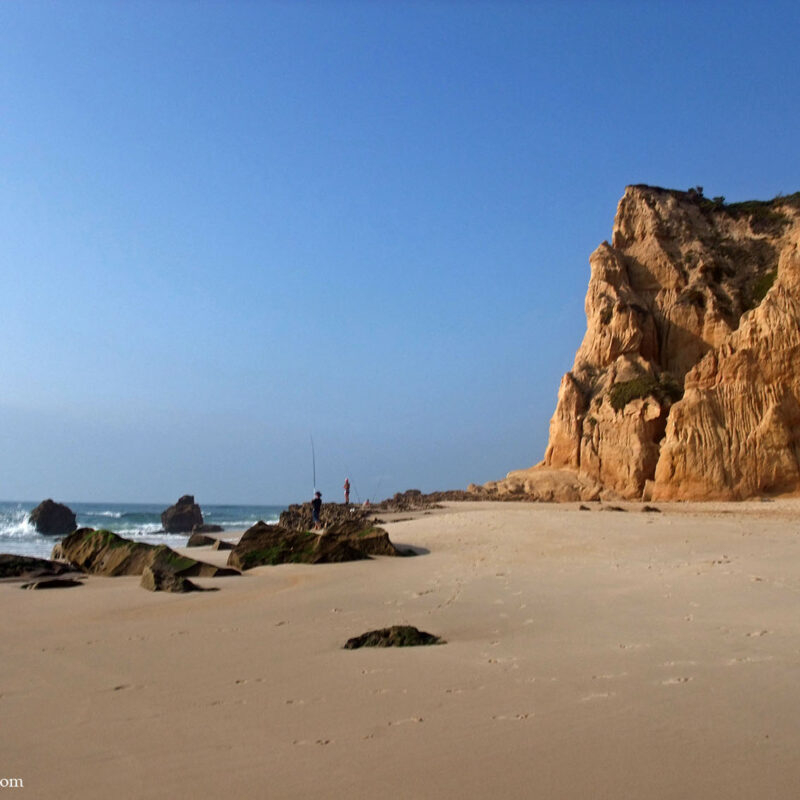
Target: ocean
{"x":138,"y":521}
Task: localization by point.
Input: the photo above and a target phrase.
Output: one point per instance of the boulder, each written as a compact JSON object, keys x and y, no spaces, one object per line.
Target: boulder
{"x":53,"y":519}
{"x":104,"y":553}
{"x":344,"y":541}
{"x":14,"y":567}
{"x":183,"y":516}
{"x":396,"y":636}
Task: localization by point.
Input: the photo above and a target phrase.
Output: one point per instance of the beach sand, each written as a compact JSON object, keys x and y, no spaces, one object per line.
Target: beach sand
{"x":590,"y":654}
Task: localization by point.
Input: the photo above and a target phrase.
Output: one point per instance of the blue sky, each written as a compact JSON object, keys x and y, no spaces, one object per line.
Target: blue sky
{"x":227,"y":227}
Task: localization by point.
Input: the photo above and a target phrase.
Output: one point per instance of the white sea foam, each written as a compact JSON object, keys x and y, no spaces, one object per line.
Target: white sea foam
{"x":142,"y":531}
{"x":14,"y":524}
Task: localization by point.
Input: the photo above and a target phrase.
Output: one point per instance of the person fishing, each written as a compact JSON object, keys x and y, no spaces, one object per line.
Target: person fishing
{"x":316,"y":506}
{"x":347,"y":491}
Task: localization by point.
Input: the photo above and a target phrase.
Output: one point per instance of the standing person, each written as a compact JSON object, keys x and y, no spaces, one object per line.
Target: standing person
{"x":316,"y":505}
{"x":347,"y":491}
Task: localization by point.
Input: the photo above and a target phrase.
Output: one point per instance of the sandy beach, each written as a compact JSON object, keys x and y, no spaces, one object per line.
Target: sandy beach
{"x":596,"y":653}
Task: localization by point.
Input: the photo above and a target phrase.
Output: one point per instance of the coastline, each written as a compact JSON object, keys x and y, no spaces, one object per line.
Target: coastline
{"x":599,"y":653}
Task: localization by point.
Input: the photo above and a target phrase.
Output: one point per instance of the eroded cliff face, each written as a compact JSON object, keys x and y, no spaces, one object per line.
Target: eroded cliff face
{"x":687,"y":382}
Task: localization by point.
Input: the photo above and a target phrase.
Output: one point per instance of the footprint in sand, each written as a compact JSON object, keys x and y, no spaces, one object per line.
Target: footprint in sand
{"x":674,"y":681}
{"x":307,"y":741}
{"x":747,"y":660}
{"x":512,"y":717}
{"x":404,"y":721}
{"x":757,"y":633}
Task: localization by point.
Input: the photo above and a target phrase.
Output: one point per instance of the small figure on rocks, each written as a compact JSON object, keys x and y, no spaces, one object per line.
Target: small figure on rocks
{"x":316,"y":506}
{"x":347,"y":491}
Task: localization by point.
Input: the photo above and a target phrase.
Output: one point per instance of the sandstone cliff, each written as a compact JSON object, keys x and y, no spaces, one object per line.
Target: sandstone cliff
{"x":687,"y":382}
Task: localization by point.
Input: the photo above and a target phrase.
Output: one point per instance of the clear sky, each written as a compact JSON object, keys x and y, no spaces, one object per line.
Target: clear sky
{"x":228,"y":226}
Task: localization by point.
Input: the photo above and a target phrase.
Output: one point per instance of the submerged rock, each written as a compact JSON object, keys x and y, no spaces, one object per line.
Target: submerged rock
{"x":396,"y":636}
{"x":183,"y":516}
{"x":344,"y":541}
{"x":53,"y":519}
{"x":104,"y":553}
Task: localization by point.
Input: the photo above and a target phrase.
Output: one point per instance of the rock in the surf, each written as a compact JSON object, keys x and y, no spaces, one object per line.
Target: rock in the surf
{"x":53,"y":519}
{"x":183,"y":516}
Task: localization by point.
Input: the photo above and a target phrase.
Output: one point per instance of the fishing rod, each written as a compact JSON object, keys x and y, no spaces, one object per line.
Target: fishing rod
{"x":313,"y":462}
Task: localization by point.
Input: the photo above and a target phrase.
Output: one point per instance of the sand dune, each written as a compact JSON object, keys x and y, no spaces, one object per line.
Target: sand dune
{"x":589,"y":654}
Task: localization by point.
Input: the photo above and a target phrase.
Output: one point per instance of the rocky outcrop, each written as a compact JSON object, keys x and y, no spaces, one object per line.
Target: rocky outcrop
{"x":541,"y":484}
{"x":343,"y":541}
{"x":104,"y":553}
{"x":183,"y":516}
{"x":687,"y":382}
{"x":53,"y":519}
{"x":297,"y":517}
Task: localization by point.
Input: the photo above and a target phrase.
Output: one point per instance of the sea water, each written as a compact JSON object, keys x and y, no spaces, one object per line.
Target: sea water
{"x":138,"y":521}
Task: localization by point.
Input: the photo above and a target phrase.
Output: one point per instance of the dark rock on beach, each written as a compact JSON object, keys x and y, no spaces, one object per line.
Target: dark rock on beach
{"x":396,"y":636}
{"x":221,"y":544}
{"x":183,"y":516}
{"x":53,"y":519}
{"x":347,"y":540}
{"x":104,"y":553}
{"x":52,"y":583}
{"x":159,"y":578}
{"x":207,"y":528}
{"x":203,"y":540}
{"x":200,"y":540}
{"x":27,"y":568}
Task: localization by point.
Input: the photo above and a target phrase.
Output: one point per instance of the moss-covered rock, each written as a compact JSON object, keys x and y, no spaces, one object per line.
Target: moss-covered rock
{"x":347,"y":540}
{"x":102,"y":552}
{"x":396,"y":636}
